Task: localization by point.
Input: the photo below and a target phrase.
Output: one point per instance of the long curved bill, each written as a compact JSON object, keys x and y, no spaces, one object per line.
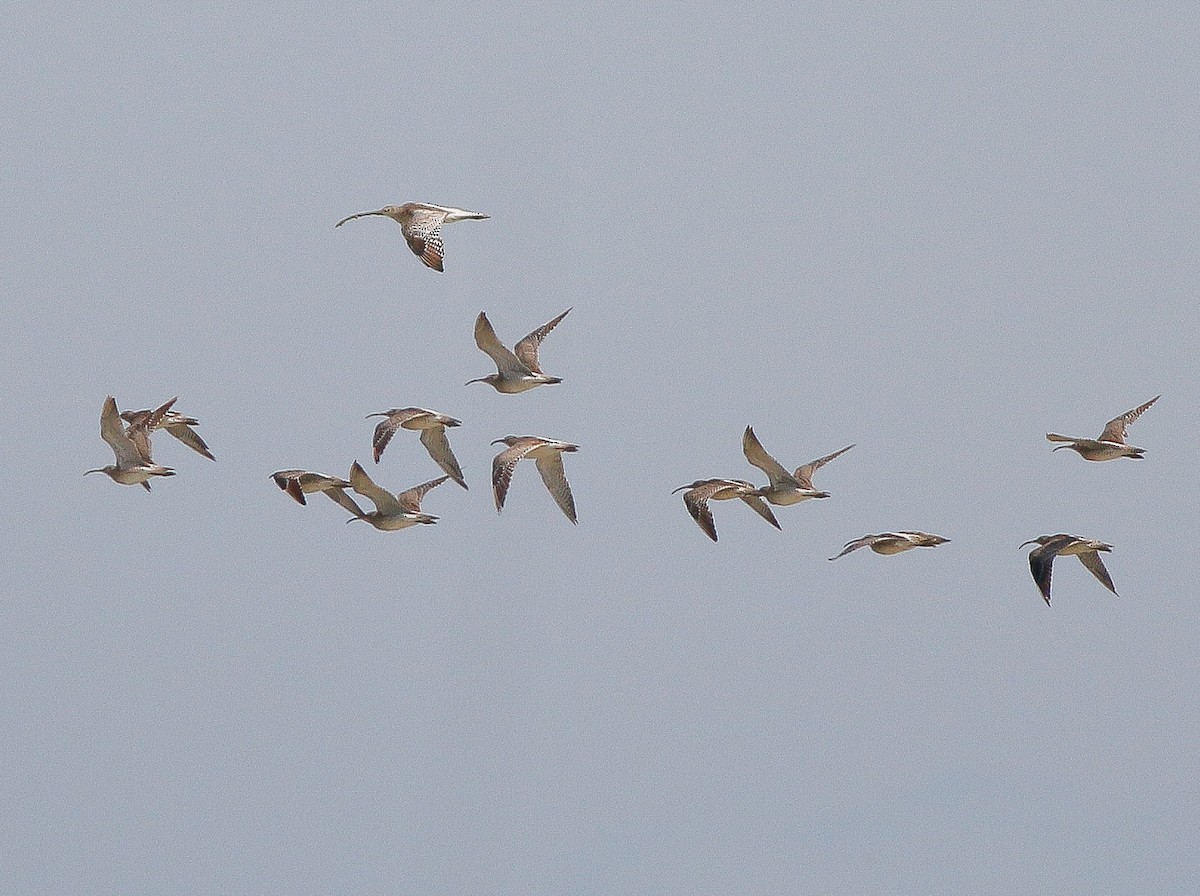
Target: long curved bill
{"x":359,"y":215}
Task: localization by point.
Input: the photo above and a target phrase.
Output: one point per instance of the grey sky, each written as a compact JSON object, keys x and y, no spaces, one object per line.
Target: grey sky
{"x":932,"y":232}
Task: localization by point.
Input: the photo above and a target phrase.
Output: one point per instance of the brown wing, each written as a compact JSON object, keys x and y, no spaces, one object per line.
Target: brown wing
{"x":393,"y":420}
{"x":804,"y":474}
{"x":385,"y":502}
{"x":696,"y":501}
{"x":1096,"y":567}
{"x":410,"y":499}
{"x":424,"y":236}
{"x":502,"y":469}
{"x":555,"y":477}
{"x":487,"y":341}
{"x":758,"y":457}
{"x":112,"y":430}
{"x":292,"y":487}
{"x":156,"y":416}
{"x":1041,"y":565}
{"x":759,"y":506}
{"x":1114,"y":430}
{"x":338,"y":495}
{"x":527,"y":349}
{"x":139,"y":433}
{"x":140,"y":436}
{"x":189,"y":437}
{"x":383,"y":434}
{"x":863,"y":542}
{"x":289,"y":482}
{"x":135,"y":416}
{"x":435,"y":442}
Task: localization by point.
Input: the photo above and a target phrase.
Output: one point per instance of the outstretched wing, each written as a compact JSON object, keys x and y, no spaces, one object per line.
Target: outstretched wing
{"x":804,"y":474}
{"x":435,"y":442}
{"x":759,"y":506}
{"x":758,"y":456}
{"x":385,"y":430}
{"x":1041,"y":565}
{"x":863,"y":542}
{"x":696,"y":501}
{"x":289,"y":482}
{"x":490,"y":345}
{"x":112,"y":430}
{"x":410,"y":499}
{"x":555,"y":477}
{"x":338,"y":495}
{"x":189,"y":437}
{"x":502,"y":469}
{"x":1096,"y":567}
{"x":423,"y":234}
{"x":140,"y":432}
{"x":527,"y":349}
{"x":385,"y":502}
{"x":1114,"y":430}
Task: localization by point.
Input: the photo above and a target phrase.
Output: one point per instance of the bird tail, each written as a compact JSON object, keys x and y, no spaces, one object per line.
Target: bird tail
{"x":461,"y":214}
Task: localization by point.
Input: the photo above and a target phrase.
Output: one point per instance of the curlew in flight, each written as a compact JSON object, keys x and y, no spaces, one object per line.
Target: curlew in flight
{"x":518,"y":370}
{"x":1041,"y":559}
{"x":433,"y":436}
{"x":547,"y":456}
{"x":785,"y":488}
{"x":131,"y":446}
{"x":391,"y":512}
{"x":1111,"y":443}
{"x":892,"y":542}
{"x":421,"y":225}
{"x":298,"y":483}
{"x":177,"y":424}
{"x":696,"y":496}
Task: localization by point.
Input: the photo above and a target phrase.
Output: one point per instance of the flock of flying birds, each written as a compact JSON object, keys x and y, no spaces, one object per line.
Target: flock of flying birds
{"x":784,"y":488}
{"x":518,"y":370}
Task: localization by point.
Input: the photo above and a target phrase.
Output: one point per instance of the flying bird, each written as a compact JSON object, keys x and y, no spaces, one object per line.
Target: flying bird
{"x":432,"y":426}
{"x":1111,"y":443}
{"x":421,"y":225}
{"x":392,"y":512}
{"x":696,"y":496}
{"x":298,"y":483}
{"x":1041,"y":559}
{"x":518,"y":370}
{"x":177,"y":424}
{"x":547,"y":456}
{"x":131,"y":446}
{"x":785,"y":488}
{"x":892,"y":542}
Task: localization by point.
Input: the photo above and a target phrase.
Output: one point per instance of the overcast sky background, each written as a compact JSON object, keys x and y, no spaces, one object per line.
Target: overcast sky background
{"x":934,"y":232}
